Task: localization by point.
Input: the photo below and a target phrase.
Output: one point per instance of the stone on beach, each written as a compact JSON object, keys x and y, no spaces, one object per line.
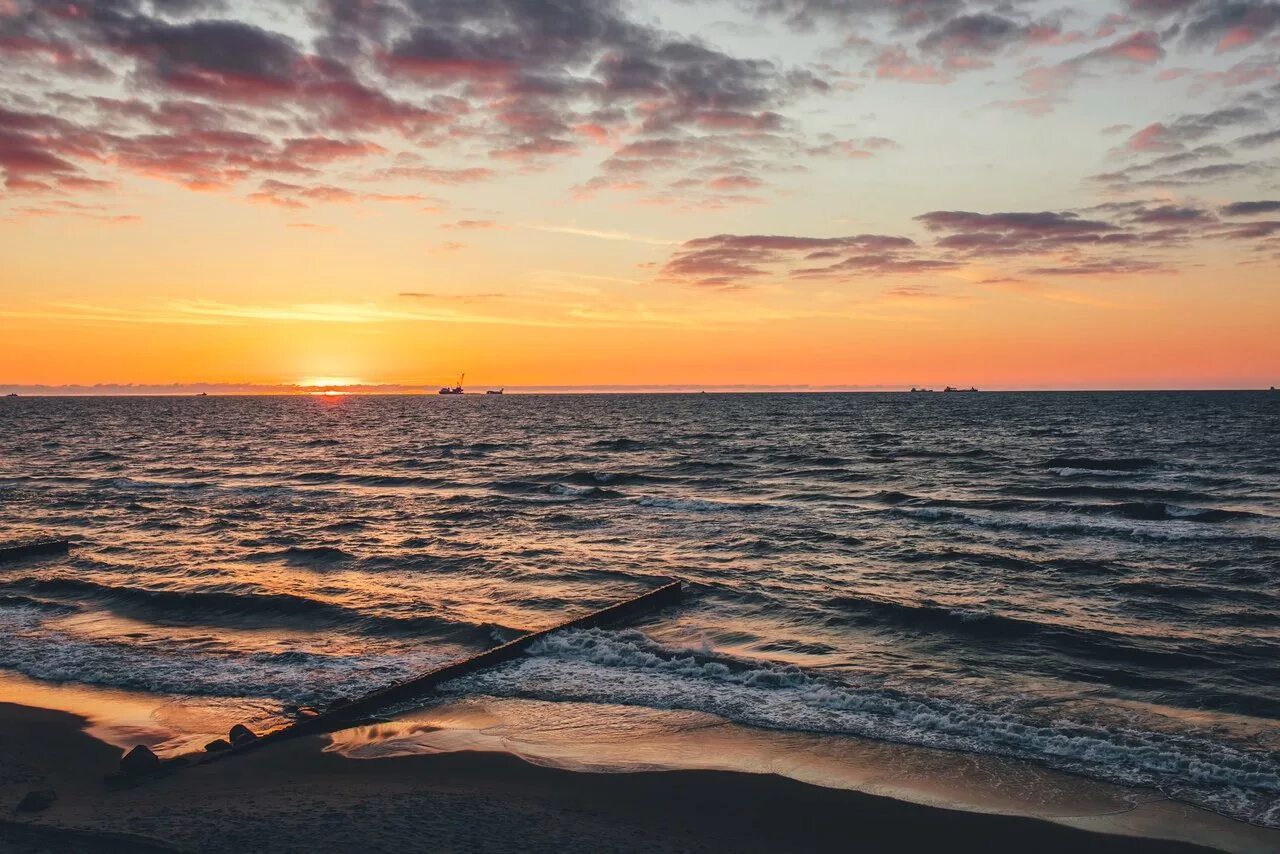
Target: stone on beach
{"x":139,"y":760}
{"x":40,"y":799}
{"x":241,"y":734}
{"x":217,"y":745}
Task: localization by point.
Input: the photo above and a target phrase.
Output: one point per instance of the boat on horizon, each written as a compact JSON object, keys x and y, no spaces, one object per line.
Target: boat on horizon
{"x":959,"y":390}
{"x":457,"y":389}
{"x":495,"y":391}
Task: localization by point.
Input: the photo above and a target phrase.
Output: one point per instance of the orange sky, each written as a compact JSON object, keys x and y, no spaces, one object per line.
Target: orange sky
{"x":1067,"y":202}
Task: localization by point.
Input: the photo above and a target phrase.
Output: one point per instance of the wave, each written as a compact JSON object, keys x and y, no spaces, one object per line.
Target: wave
{"x":698,"y":504}
{"x":1073,"y":640}
{"x":1114,"y":492}
{"x":304,"y":555}
{"x":133,"y":484}
{"x":13,"y":600}
{"x":582,"y":491}
{"x":1140,"y":511}
{"x":383,"y":480}
{"x":200,"y":669}
{"x":619,"y":444}
{"x":600,"y":478}
{"x":95,"y":457}
{"x":1101,"y":464}
{"x":626,"y":667}
{"x":245,"y":606}
{"x":1099,"y":528}
{"x":1155,"y":511}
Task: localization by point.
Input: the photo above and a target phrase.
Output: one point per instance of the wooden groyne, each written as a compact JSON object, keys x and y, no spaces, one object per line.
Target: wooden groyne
{"x":34,"y":548}
{"x":344,"y":714}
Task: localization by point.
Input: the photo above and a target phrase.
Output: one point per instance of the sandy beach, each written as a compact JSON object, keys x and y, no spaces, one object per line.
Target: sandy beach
{"x":297,"y":797}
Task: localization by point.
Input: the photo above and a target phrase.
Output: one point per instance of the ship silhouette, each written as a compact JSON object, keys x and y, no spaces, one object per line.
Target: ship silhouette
{"x":457,"y":389}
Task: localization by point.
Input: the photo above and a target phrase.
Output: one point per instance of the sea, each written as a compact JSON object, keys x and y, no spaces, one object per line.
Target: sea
{"x":1086,"y":581}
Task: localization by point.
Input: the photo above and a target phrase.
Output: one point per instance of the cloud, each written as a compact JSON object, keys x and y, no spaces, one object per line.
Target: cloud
{"x":1112,"y":267}
{"x":292,"y":196}
{"x":1233,"y":25}
{"x":1115,"y":239}
{"x":1135,"y":50}
{"x":211,"y":100}
{"x":1251,"y":208}
{"x":471,"y":225}
{"x":727,"y":260}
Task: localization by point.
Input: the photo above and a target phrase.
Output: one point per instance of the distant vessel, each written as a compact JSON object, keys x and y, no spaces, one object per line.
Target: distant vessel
{"x":203,"y":394}
{"x":455,"y":389}
{"x":915,"y":390}
{"x":494,"y":391}
{"x":961,"y":390}
{"x":15,"y":394}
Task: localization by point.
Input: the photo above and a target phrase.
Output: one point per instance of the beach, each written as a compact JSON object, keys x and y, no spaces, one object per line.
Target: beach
{"x":298,"y":797}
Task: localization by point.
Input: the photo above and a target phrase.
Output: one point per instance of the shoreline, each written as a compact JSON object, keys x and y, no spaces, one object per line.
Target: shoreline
{"x":306,"y":795}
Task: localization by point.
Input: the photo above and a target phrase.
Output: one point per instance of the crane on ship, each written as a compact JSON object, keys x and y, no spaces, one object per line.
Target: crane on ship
{"x":457,"y":389}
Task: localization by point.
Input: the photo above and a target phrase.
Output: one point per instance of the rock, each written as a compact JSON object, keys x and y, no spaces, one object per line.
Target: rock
{"x":241,"y":734}
{"x":140,"y":760}
{"x":217,"y":745}
{"x":306,"y":713}
{"x":41,"y":799}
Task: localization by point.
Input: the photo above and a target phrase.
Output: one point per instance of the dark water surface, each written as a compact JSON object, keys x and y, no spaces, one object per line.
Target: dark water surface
{"x":1089,"y":581}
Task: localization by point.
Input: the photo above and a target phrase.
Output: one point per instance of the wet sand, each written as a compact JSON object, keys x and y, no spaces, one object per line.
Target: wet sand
{"x":297,"y":797}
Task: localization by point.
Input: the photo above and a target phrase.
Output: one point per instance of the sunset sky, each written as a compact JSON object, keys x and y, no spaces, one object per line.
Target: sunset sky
{"x":703,"y":193}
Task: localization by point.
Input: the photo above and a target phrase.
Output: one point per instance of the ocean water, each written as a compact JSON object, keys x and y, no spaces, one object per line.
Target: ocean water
{"x":1086,"y":581}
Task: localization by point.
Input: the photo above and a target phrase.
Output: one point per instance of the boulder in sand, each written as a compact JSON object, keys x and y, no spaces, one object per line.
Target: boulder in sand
{"x":36,"y":801}
{"x":217,"y":745}
{"x":140,"y":760}
{"x":241,"y":734}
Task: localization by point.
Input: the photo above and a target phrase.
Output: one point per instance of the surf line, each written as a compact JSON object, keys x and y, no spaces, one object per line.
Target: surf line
{"x":140,"y":763}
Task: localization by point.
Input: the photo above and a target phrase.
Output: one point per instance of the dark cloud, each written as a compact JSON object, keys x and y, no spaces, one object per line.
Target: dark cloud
{"x":1258,"y":140}
{"x":1232,"y":25}
{"x":1159,"y":7}
{"x":1143,"y":48}
{"x":905,"y":14}
{"x":727,"y":259}
{"x":1129,"y":238}
{"x":1041,"y":224}
{"x":1251,"y":208}
{"x":519,"y":81}
{"x":1112,"y":267}
{"x":968,"y":41}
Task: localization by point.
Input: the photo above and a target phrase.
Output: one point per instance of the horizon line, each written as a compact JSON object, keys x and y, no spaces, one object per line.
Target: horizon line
{"x":415,"y":390}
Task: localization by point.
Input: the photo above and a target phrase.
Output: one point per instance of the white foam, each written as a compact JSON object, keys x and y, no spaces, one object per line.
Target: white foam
{"x":627,"y":668}
{"x":695,"y":504}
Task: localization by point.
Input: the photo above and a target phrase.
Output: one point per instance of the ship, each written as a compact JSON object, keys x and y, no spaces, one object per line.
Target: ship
{"x":495,"y":391}
{"x":961,"y":390}
{"x":457,"y":389}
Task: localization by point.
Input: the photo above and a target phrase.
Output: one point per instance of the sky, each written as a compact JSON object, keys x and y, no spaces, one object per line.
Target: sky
{"x":383,"y":194}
